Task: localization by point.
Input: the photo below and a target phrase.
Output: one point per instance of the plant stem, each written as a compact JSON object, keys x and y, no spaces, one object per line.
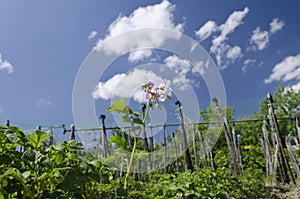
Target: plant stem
{"x":147,"y":112}
{"x":130,"y":163}
{"x":134,"y":147}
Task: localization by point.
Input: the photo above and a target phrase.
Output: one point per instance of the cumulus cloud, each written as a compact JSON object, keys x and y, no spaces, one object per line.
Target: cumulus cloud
{"x":260,"y":39}
{"x":126,"y":85}
{"x":92,"y":35}
{"x":286,"y":70}
{"x":181,"y":67}
{"x":5,"y":65}
{"x":206,"y":30}
{"x":276,"y":25}
{"x":234,"y":53}
{"x":224,"y":53}
{"x":138,"y":55}
{"x":232,"y":22}
{"x":153,"y":16}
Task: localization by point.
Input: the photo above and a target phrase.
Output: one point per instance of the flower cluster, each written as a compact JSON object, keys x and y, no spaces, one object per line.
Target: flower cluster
{"x":156,"y":93}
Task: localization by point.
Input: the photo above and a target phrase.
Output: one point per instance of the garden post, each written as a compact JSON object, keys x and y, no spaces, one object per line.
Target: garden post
{"x":51,"y":137}
{"x":203,"y":148}
{"x":104,"y":137}
{"x":187,"y":156}
{"x":145,"y":141}
{"x":165,"y":150}
{"x":151,"y":148}
{"x":292,"y":157}
{"x":72,"y":127}
{"x":298,"y":127}
{"x":175,"y":149}
{"x":228,"y":137}
{"x":286,"y":167}
{"x":194,"y":146}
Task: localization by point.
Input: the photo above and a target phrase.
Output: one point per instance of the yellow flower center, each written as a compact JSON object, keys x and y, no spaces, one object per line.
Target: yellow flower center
{"x":153,"y":96}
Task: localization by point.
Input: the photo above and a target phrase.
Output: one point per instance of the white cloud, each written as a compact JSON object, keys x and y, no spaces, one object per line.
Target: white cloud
{"x":43,"y":102}
{"x":179,"y":65}
{"x":224,"y":53}
{"x":276,"y":25}
{"x":126,"y":85}
{"x":248,"y":63}
{"x":259,"y":39}
{"x":232,"y":22}
{"x":288,"y":69}
{"x":138,"y":55}
{"x":206,"y":30}
{"x":201,"y":67}
{"x":6,"y":66}
{"x":181,"y":82}
{"x":234,"y":53}
{"x":153,"y":16}
{"x":92,"y":35}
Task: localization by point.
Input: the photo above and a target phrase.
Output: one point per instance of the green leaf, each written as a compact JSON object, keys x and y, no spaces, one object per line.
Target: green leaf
{"x":117,"y":106}
{"x":37,"y":139}
{"x":58,"y":158}
{"x":125,"y":118}
{"x":136,"y":113}
{"x":119,"y":141}
{"x":138,"y":121}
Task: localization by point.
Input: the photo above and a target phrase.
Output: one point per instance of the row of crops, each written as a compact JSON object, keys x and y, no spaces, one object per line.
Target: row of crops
{"x":248,"y":157}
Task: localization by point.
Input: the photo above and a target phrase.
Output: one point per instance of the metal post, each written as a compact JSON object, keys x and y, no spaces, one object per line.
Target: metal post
{"x":145,"y":141}
{"x":51,"y":142}
{"x":72,"y":127}
{"x":104,"y":146}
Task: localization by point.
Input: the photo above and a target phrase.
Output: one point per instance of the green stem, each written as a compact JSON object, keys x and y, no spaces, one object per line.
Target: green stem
{"x":134,"y":147}
{"x":130,"y":163}
{"x":147,"y":112}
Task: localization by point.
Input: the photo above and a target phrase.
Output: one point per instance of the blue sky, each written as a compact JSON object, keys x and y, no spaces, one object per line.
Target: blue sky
{"x":255,"y":44}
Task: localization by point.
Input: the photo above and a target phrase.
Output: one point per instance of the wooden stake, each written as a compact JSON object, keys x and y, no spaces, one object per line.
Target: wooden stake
{"x":229,"y":139}
{"x":187,"y":156}
{"x":194,"y":146}
{"x":175,"y":149}
{"x":165,"y":151}
{"x":286,"y":168}
{"x":292,"y":157}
